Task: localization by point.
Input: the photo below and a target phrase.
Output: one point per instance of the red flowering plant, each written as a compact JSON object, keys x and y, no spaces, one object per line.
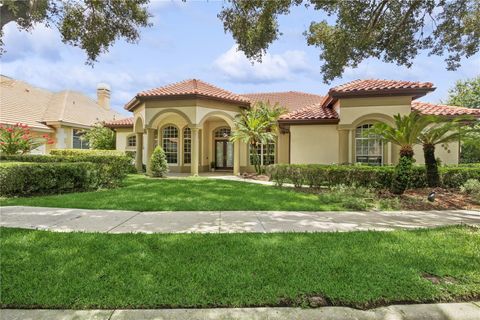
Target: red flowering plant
{"x":19,"y":139}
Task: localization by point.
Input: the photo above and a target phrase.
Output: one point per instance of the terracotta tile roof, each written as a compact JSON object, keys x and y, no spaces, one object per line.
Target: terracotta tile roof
{"x":22,"y":102}
{"x":442,"y":110}
{"x":193,"y":87}
{"x":291,"y":100}
{"x":120,"y":123}
{"x":378,"y":86}
{"x":315,"y":112}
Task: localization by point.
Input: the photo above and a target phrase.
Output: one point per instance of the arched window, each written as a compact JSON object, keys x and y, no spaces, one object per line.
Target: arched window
{"x":222,"y":133}
{"x":368,"y":148}
{"x":131,"y":141}
{"x":187,"y":145}
{"x":170,"y":143}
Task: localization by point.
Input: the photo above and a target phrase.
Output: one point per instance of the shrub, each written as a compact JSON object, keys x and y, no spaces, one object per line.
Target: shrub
{"x":471,"y":186}
{"x":402,"y":175}
{"x":316,"y":175}
{"x":18,"y":138}
{"x":100,"y":137}
{"x":113,"y":168}
{"x":48,"y":178}
{"x":158,"y":163}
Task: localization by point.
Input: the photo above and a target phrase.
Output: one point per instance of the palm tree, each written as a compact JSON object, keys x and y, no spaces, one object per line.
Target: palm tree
{"x":257,"y":125}
{"x":404,"y":133}
{"x":442,"y":131}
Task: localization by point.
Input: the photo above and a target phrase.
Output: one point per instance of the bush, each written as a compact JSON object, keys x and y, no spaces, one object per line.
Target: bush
{"x":402,"y":175}
{"x":113,"y":166}
{"x":158,"y":163}
{"x":48,"y":178}
{"x":471,"y":186}
{"x":316,"y":175}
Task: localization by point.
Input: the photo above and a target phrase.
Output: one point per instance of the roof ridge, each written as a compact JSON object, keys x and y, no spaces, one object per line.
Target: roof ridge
{"x":289,"y":91}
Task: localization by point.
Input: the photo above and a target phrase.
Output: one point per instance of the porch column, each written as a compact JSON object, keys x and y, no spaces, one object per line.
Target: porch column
{"x":350,"y":146}
{"x":236,"y":158}
{"x":139,"y":152}
{"x":149,"y":147}
{"x":195,"y":152}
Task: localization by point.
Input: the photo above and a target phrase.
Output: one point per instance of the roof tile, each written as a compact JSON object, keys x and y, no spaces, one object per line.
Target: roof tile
{"x":291,"y":100}
{"x":379,"y":85}
{"x":442,"y":110}
{"x":125,"y":123}
{"x":313,"y":112}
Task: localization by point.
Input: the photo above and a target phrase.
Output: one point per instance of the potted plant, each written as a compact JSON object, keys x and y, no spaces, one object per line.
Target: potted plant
{"x":212,"y":166}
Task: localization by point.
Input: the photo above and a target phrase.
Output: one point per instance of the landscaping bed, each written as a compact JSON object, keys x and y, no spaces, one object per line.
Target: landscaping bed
{"x":41,"y":269}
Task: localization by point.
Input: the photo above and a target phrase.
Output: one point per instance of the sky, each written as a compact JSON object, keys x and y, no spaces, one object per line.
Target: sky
{"x":187,"y":41}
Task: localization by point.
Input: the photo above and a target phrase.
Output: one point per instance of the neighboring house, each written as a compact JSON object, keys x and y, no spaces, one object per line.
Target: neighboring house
{"x":192,"y":121}
{"x":62,"y":115}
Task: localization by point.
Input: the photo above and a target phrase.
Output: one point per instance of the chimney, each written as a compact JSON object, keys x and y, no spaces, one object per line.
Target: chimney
{"x":103,"y":95}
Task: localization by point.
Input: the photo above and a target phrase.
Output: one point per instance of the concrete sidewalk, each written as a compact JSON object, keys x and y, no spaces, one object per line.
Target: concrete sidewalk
{"x":441,"y":311}
{"x":57,"y":219}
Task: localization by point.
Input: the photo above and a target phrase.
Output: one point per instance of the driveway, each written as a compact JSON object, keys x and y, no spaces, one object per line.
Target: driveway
{"x":114,"y":221}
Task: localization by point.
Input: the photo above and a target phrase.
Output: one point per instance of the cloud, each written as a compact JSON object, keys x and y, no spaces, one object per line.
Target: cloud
{"x":234,"y":66}
{"x":41,"y":42}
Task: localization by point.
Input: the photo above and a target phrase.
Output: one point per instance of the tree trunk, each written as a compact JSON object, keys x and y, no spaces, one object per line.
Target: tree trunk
{"x":433,"y":178}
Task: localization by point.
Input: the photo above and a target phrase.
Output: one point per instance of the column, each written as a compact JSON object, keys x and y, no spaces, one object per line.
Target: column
{"x":139,"y":152}
{"x":195,"y":152}
{"x":350,"y":146}
{"x":149,"y":147}
{"x":236,"y":158}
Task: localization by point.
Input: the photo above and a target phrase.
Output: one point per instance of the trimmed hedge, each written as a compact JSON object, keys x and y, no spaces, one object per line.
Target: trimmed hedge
{"x":113,"y":168}
{"x":316,"y":176}
{"x":48,"y":178}
{"x":85,"y":152}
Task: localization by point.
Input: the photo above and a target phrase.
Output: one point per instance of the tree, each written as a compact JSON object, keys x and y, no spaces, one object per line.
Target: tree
{"x":470,"y":149}
{"x":465,"y":93}
{"x":158,"y":163}
{"x":391,"y":30}
{"x":19,"y":139}
{"x":100,"y":137}
{"x":91,"y":25}
{"x":404,"y":133}
{"x":257,"y":125}
{"x":442,"y":131}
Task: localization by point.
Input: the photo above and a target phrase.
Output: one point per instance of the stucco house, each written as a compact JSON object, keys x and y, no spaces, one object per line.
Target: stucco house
{"x":62,"y":115}
{"x":192,"y":120}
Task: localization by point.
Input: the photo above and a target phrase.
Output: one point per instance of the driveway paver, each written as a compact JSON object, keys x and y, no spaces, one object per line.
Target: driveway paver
{"x":56,"y":219}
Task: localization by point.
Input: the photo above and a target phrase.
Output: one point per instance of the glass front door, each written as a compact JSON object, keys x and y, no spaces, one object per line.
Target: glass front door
{"x":223,"y":154}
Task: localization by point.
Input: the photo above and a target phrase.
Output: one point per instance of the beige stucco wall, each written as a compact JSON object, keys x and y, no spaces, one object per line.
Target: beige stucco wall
{"x":314,"y":144}
{"x":448,"y":154}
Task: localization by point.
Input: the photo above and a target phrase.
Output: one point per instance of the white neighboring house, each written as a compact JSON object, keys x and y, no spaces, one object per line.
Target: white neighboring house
{"x":62,"y":115}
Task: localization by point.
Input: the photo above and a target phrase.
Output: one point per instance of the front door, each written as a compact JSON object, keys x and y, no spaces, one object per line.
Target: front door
{"x":223,"y":154}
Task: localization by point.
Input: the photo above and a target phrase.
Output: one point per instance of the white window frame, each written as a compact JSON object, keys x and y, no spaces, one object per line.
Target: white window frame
{"x":83,"y":143}
{"x":370,"y":139}
{"x":263,"y":154}
{"x":134,"y":138}
{"x":167,"y":138}
{"x":187,"y":141}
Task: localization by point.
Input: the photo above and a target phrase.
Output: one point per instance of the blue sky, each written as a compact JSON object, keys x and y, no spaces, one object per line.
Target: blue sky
{"x":188,"y":41}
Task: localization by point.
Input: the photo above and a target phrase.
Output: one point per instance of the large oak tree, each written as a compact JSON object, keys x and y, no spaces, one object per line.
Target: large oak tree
{"x":390,"y":30}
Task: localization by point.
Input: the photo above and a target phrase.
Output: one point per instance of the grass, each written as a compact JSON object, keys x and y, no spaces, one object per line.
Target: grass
{"x":141,"y":193}
{"x":41,"y":269}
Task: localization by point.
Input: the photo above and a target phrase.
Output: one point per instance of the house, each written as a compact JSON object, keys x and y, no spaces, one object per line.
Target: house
{"x":62,"y":115}
{"x":193,"y":120}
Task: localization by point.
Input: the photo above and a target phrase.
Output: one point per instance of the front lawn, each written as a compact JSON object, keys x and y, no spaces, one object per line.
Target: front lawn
{"x":141,"y":193}
{"x":41,"y":269}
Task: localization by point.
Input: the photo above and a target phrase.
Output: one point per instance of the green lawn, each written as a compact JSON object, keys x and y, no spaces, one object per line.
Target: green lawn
{"x":141,"y":193}
{"x":362,"y":269}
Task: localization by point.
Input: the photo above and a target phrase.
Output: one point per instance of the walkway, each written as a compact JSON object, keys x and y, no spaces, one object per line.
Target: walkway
{"x":440,"y":311}
{"x":57,"y":219}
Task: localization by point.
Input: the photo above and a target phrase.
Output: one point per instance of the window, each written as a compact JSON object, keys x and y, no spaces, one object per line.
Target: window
{"x":131,"y":141}
{"x":79,"y":141}
{"x":170,"y":143}
{"x":222,"y":133}
{"x":187,"y":145}
{"x":368,"y":148}
{"x":266,"y":152}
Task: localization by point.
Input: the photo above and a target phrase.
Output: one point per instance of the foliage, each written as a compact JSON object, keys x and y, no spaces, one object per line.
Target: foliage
{"x":19,"y":139}
{"x":472,"y":187}
{"x":100,"y":137}
{"x":47,"y":178}
{"x":92,"y":26}
{"x":466,"y":93}
{"x":158,"y":163}
{"x":353,"y":197}
{"x":442,"y":131}
{"x":85,"y":152}
{"x":401,"y":176}
{"x":394,"y":31}
{"x":113,"y":168}
{"x":257,"y":125}
{"x":317,"y":175}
